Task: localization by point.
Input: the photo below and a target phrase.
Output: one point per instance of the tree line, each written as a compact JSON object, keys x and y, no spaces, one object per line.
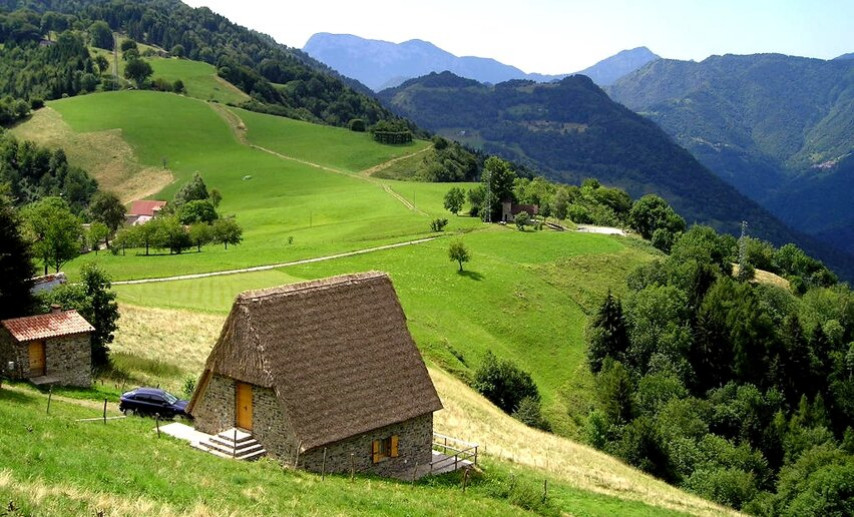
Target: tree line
{"x":737,"y":390}
{"x":279,"y":80}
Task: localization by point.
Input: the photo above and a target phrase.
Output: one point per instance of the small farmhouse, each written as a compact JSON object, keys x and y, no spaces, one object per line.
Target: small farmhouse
{"x":510,"y":210}
{"x":322,"y":370}
{"x":51,"y":348}
{"x":143,"y":211}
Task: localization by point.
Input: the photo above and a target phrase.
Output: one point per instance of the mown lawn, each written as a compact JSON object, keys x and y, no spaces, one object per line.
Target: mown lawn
{"x":51,"y":465}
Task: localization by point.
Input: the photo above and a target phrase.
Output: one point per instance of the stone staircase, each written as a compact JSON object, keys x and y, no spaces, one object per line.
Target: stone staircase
{"x":233,"y":443}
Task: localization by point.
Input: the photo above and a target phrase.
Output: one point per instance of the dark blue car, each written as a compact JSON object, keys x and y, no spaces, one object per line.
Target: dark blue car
{"x":153,"y":402}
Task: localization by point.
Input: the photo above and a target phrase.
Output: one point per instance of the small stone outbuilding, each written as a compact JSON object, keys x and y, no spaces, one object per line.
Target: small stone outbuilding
{"x":53,"y":348}
{"x":322,"y":368}
{"x":510,"y":210}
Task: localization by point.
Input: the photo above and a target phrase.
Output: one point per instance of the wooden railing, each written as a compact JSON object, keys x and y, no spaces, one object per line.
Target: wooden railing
{"x":456,"y":451}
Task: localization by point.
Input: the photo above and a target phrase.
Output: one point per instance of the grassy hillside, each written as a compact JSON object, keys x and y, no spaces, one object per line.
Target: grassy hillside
{"x":200,"y":80}
{"x":353,"y":212}
{"x":524,"y":296}
{"x":48,"y":470}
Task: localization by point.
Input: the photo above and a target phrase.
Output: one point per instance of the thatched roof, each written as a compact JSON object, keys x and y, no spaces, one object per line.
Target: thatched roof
{"x":336,"y":352}
{"x":51,"y":325}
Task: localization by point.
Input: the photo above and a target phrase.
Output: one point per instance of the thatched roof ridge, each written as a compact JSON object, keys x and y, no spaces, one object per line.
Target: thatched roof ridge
{"x":336,"y":352}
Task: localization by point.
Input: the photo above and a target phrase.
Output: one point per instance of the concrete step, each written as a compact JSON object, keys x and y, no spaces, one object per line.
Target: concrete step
{"x":235,"y":435}
{"x":235,"y":444}
{"x":228,"y":448}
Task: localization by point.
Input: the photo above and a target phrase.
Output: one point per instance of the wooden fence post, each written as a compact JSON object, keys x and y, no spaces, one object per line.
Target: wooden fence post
{"x":465,"y":478}
{"x":105,"y":411}
{"x":323,"y":466}
{"x":157,"y":423}
{"x":545,"y":489}
{"x":49,"y":396}
{"x":296,"y":460}
{"x":414,"y":473}
{"x":352,"y":466}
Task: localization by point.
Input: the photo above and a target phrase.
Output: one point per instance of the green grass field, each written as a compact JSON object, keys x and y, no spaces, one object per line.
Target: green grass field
{"x":524,"y":295}
{"x":122,"y":468}
{"x":199,"y":79}
{"x":274,"y":199}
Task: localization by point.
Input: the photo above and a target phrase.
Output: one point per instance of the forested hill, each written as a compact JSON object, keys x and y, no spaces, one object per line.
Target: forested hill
{"x":279,"y":79}
{"x":571,"y":130}
{"x":779,"y":128}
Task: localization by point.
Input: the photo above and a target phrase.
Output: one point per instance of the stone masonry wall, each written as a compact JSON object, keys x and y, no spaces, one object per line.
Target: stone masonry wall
{"x":10,"y":350}
{"x":415,"y":438}
{"x":214,"y":412}
{"x":69,"y":358}
{"x":271,"y":427}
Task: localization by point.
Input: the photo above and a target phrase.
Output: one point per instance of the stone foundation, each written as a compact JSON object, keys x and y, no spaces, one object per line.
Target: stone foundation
{"x":415,"y":438}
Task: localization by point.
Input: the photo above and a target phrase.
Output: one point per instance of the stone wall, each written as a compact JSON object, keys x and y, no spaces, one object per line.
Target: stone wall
{"x":69,"y":358}
{"x":214,"y":411}
{"x":10,"y":350}
{"x":271,"y":427}
{"x":415,"y":438}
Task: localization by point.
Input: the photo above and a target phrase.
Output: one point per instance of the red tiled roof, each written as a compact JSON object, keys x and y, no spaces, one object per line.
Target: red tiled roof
{"x":54,"y":324}
{"x":146,"y":207}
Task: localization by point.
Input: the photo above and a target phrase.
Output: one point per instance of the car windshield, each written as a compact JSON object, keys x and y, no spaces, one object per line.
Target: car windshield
{"x":170,"y":398}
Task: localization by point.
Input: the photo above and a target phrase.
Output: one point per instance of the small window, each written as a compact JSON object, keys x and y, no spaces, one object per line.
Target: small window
{"x":384,"y":448}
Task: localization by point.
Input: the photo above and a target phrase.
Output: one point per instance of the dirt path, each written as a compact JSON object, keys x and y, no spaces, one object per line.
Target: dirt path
{"x":238,"y":128}
{"x":275,"y":266}
{"x":385,"y":165}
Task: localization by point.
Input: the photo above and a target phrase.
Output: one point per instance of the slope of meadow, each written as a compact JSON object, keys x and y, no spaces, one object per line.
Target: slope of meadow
{"x":525,"y":296}
{"x":274,"y":199}
{"x":48,"y":470}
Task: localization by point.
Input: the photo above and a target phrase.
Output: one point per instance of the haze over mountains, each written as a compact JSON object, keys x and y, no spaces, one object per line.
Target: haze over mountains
{"x":778,"y":128}
{"x":382,"y":64}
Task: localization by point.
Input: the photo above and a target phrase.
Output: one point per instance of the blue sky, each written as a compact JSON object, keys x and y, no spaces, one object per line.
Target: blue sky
{"x":551,"y":36}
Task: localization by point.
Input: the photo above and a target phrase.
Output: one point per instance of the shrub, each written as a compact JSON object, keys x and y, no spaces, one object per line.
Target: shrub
{"x":357,"y":125}
{"x":522,"y":219}
{"x":504,"y":383}
{"x":438,"y":224}
{"x":530,"y":414}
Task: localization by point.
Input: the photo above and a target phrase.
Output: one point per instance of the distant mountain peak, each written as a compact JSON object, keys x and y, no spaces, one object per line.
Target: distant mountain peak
{"x":609,"y":70}
{"x":844,"y":57}
{"x":383,"y":64}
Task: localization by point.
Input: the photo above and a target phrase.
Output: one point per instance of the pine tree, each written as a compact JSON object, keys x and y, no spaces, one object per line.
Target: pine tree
{"x":609,"y":336}
{"x":16,"y":262}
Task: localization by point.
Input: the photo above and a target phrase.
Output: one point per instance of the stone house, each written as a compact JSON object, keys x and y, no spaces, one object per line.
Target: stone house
{"x":53,"y":348}
{"x":322,"y":368}
{"x":510,"y":210}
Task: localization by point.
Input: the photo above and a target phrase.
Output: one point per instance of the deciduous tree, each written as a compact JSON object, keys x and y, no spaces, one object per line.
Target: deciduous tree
{"x":55,"y":232}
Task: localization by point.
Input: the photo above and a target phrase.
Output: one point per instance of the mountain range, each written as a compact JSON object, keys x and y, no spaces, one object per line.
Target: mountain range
{"x":778,"y":128}
{"x":382,"y":64}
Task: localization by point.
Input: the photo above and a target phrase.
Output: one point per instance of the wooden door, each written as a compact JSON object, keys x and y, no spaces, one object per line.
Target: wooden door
{"x":244,"y":406}
{"x":37,"y":358}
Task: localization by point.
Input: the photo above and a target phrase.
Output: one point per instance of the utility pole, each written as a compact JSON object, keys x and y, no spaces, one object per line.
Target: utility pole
{"x":488,"y":195}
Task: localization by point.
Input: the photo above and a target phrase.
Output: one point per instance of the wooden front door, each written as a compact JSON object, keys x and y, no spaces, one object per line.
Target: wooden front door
{"x":244,"y":406}
{"x":37,"y":358}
